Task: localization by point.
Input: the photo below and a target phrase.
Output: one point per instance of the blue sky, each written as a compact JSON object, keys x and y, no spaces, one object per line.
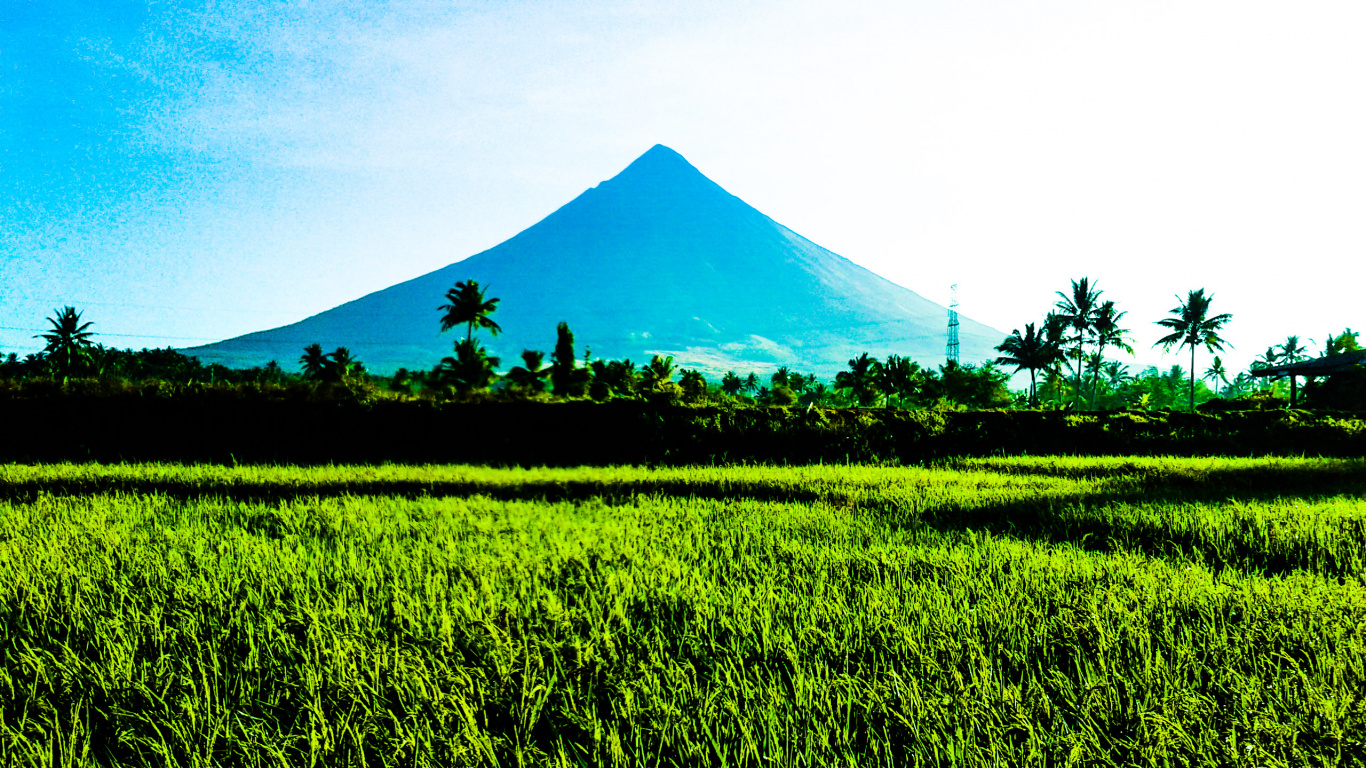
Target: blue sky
{"x":185,"y":172}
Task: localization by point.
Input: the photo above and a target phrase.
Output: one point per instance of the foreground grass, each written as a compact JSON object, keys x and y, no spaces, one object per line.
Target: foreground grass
{"x":986,"y":612}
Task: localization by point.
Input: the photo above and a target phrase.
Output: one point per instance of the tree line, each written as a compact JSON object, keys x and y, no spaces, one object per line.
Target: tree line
{"x":1069,"y":355}
{"x":1068,"y":349}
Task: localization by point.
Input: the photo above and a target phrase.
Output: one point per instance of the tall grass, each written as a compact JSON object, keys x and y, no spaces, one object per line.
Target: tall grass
{"x":984,"y":612}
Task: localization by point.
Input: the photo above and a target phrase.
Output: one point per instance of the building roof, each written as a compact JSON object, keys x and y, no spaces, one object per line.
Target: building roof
{"x":1319,"y":366}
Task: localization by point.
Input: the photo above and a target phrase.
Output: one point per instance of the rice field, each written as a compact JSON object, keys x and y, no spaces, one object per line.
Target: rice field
{"x":987,"y":612}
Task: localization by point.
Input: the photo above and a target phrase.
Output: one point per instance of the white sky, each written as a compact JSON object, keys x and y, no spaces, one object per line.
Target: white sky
{"x":325,"y":150}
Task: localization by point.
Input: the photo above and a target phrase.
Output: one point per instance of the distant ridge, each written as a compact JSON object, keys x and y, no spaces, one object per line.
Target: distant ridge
{"x":660,"y":260}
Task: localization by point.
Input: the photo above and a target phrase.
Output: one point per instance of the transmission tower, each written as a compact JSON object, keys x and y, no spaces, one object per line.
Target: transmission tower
{"x":952,"y":352}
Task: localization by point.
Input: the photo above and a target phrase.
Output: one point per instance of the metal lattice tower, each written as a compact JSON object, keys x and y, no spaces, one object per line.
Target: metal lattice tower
{"x":952,"y":351}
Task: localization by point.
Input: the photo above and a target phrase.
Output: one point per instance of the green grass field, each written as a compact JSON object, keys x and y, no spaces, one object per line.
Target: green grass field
{"x":983,"y":612}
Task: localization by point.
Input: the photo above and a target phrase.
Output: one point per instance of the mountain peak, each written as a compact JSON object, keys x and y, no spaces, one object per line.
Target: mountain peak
{"x":658,"y":260}
{"x":660,"y":164}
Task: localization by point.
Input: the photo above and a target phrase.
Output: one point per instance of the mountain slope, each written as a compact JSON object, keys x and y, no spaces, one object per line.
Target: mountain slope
{"x":657,"y":260}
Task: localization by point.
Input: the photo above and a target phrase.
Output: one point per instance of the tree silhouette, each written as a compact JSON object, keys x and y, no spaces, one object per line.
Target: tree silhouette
{"x":1267,"y":359}
{"x":465,"y":305}
{"x":1192,"y":325}
{"x":1217,"y":374}
{"x":815,"y":394}
{"x":1031,"y":351}
{"x":612,"y":377}
{"x":341,"y":365}
{"x":899,"y":377}
{"x":566,"y":378}
{"x":1292,"y":352}
{"x":1116,"y":374}
{"x":861,"y":379}
{"x":1344,"y":342}
{"x":1079,"y":311}
{"x":314,"y":361}
{"x":529,"y":376}
{"x":751,"y":384}
{"x":471,"y":369}
{"x":693,"y":384}
{"x":658,"y":372}
{"x":731,"y":384}
{"x":1107,"y":333}
{"x":68,"y":343}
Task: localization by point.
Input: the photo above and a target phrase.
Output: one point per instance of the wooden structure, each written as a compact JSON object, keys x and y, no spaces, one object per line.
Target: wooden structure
{"x":1319,"y":366}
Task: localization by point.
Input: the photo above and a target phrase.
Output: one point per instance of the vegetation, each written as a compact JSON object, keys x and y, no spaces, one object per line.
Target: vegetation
{"x":1193,"y":326}
{"x":465,"y":305}
{"x":68,"y":343}
{"x":1065,"y":355}
{"x":984,"y":612}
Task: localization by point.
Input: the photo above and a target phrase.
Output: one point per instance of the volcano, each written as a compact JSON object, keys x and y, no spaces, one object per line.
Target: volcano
{"x":658,"y":260}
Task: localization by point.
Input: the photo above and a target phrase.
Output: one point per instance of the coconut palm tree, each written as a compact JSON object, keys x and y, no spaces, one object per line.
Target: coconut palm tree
{"x":815,"y":394}
{"x":899,"y":377}
{"x":693,"y":384}
{"x":1193,"y":326}
{"x":861,"y":379}
{"x":1216,"y":373}
{"x":1292,"y":352}
{"x":658,"y":372}
{"x":341,"y":365}
{"x":1116,"y":374}
{"x":68,"y":343}
{"x":465,"y":305}
{"x":751,"y":384}
{"x":1267,"y":359}
{"x":1107,"y":333}
{"x":1031,"y":351}
{"x":314,"y":361}
{"x":530,"y":376}
{"x":471,"y":369}
{"x":732,"y":384}
{"x":1079,"y":311}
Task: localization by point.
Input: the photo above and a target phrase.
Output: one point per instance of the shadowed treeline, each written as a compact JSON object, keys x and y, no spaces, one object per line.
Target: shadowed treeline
{"x":234,"y":429}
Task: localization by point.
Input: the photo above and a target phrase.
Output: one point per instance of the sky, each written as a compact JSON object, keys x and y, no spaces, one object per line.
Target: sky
{"x":184,"y":172}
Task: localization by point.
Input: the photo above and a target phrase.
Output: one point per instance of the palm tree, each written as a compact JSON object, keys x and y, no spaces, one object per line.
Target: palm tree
{"x":1031,"y":351}
{"x":1268,"y":359}
{"x":814,"y":395}
{"x":658,"y":372}
{"x":1079,"y":311}
{"x":341,"y":366}
{"x":693,"y":384}
{"x":1193,"y":326}
{"x":530,"y":376}
{"x":900,"y":376}
{"x":466,"y":306}
{"x":314,"y":361}
{"x":861,"y":379}
{"x":780,"y":377}
{"x":1108,"y":334}
{"x":732,"y":384}
{"x":751,"y":384}
{"x":1344,"y":342}
{"x":1116,"y":374}
{"x":68,"y":343}
{"x":1292,"y":352}
{"x":470,"y":369}
{"x":1217,"y":374}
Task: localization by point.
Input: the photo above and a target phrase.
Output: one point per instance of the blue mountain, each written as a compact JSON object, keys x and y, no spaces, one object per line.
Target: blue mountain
{"x":657,"y":260}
